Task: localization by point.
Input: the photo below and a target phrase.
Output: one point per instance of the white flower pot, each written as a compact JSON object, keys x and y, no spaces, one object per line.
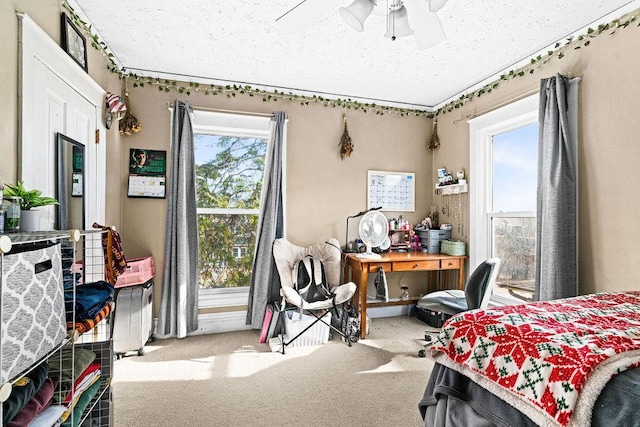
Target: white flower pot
{"x":30,"y":220}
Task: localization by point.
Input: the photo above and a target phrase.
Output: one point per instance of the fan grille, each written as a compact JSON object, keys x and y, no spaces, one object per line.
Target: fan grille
{"x":373,"y":228}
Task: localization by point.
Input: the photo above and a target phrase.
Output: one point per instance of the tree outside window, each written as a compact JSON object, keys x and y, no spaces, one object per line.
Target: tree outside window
{"x":229,"y":172}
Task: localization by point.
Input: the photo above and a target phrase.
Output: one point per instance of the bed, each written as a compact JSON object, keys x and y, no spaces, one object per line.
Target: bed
{"x":566,"y":362}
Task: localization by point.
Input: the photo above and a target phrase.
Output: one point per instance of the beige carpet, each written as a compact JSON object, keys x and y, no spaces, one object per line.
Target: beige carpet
{"x":230,"y":379}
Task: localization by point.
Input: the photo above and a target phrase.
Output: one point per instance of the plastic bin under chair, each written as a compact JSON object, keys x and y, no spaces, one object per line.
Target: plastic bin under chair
{"x":316,"y":335}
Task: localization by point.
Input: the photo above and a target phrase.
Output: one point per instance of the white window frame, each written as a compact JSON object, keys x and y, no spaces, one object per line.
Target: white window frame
{"x":229,"y":124}
{"x":482,"y":129}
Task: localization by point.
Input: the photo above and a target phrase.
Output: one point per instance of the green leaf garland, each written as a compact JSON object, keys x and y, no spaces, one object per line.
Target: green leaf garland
{"x":232,"y":90}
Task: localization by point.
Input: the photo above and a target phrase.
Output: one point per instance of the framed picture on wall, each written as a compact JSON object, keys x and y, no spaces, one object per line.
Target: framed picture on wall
{"x":73,"y":42}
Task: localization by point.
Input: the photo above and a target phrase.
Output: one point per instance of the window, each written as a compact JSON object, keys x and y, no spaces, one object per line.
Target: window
{"x":230,"y":154}
{"x":504,"y":148}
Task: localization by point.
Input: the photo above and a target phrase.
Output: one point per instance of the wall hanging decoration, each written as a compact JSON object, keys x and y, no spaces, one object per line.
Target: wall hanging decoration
{"x":114,"y":108}
{"x":434,"y":144}
{"x":129,"y":124}
{"x":73,"y":42}
{"x":346,"y":146}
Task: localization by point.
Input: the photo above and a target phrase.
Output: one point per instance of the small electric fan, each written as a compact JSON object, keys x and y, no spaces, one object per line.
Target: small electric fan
{"x":374,"y":230}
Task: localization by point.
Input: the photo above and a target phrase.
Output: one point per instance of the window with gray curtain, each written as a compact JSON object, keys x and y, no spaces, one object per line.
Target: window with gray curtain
{"x":557,"y":208}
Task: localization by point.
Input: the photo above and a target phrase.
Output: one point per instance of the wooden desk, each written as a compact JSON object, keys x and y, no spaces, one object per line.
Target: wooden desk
{"x":358,"y":269}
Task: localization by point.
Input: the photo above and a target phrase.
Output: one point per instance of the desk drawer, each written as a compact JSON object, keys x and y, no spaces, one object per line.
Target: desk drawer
{"x":416,"y":265}
{"x":375,"y":266}
{"x":450,"y":264}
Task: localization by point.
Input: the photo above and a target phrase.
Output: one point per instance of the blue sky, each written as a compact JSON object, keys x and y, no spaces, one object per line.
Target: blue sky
{"x":205,"y":147}
{"x":515,"y":155}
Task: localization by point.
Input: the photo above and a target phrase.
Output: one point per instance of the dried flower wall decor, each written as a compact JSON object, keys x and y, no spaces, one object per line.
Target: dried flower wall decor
{"x":434,"y":144}
{"x":346,"y":146}
{"x":129,"y":124}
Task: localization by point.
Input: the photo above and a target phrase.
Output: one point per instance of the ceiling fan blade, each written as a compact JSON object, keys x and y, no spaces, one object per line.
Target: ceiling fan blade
{"x":426,"y":25}
{"x":436,"y":5}
{"x":302,"y":15}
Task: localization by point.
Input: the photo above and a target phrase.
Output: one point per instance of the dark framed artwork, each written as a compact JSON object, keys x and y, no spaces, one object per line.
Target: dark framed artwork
{"x":73,"y":42}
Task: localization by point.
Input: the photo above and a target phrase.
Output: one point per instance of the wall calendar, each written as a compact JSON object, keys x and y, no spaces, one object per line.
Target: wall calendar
{"x":394,"y":191}
{"x":147,"y":173}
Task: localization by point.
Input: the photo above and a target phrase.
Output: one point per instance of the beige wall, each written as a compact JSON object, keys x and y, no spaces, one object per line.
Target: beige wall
{"x":609,"y":150}
{"x":323,"y":190}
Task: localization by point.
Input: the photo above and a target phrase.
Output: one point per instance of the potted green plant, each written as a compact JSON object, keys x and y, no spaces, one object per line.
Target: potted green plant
{"x":29,"y":199}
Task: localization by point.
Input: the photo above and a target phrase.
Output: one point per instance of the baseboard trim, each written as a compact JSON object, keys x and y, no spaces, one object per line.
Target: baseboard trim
{"x":214,"y":323}
{"x":389,"y":311}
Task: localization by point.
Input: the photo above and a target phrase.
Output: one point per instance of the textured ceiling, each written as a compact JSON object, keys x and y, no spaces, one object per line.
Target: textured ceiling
{"x":238,"y":41}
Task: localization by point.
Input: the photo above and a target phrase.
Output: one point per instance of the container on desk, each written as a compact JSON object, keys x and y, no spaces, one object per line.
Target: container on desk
{"x":435,"y":249}
{"x":430,"y":239}
{"x":451,"y":247}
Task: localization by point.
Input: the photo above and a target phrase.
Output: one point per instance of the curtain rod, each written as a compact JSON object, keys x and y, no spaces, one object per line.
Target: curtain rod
{"x":503,"y":103}
{"x":220,"y":110}
{"x":496,"y":106}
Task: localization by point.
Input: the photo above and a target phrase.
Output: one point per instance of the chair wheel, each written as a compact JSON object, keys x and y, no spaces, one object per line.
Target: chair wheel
{"x":422,"y":353}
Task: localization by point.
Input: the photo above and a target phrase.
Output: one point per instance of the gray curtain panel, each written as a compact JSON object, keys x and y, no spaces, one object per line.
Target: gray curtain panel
{"x":557,"y":210}
{"x":179,"y":305}
{"x":264,"y":279}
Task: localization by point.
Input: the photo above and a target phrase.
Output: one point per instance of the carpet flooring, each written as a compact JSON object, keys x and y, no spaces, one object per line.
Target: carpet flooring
{"x":230,"y":379}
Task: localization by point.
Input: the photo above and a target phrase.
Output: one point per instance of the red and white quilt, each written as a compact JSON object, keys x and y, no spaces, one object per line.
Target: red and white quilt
{"x":548,"y":359}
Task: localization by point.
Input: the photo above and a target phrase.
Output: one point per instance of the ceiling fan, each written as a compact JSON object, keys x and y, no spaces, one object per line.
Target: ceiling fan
{"x":404,"y":18}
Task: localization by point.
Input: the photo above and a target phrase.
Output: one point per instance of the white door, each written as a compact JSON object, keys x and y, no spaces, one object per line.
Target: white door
{"x":57,"y":107}
{"x":58,"y":96}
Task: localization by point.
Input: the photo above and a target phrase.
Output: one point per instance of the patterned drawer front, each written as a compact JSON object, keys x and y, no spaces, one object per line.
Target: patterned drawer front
{"x":33,"y":317}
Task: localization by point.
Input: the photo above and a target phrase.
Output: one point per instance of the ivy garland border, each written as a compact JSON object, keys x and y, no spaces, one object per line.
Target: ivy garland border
{"x":232,"y":90}
{"x":574,"y":43}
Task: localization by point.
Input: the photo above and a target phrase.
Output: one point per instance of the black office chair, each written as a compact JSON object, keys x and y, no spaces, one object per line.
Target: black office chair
{"x":476,"y":294}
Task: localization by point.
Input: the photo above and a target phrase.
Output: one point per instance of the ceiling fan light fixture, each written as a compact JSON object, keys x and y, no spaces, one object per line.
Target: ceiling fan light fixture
{"x":356,"y":13}
{"x":398,"y":22}
{"x":436,"y":5}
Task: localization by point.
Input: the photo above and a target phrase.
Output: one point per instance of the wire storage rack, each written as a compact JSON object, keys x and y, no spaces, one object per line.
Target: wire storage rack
{"x":47,"y":275}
